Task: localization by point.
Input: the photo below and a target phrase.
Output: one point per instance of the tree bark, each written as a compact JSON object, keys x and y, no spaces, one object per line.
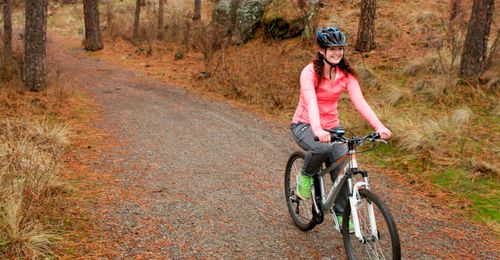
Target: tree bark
{"x":366,"y":28}
{"x":35,"y":39}
{"x":233,"y":12}
{"x":476,"y":41}
{"x":161,"y":24}
{"x":197,"y":10}
{"x":137,"y":18}
{"x":7,"y":29}
{"x":93,"y":37}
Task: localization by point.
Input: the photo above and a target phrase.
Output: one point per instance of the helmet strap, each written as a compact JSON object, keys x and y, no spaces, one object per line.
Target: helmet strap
{"x":331,"y":64}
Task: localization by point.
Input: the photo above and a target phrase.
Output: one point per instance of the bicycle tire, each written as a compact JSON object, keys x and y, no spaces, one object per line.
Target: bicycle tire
{"x":372,"y":248}
{"x":301,"y":211}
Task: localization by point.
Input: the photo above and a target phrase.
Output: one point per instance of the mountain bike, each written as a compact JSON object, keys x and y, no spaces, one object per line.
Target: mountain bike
{"x":375,"y":234}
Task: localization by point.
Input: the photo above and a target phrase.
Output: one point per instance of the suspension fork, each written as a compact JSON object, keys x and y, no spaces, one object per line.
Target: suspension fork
{"x":355,"y":199}
{"x":355,"y":202}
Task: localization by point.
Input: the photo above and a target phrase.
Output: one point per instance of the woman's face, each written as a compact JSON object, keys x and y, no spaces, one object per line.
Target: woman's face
{"x":333,"y":54}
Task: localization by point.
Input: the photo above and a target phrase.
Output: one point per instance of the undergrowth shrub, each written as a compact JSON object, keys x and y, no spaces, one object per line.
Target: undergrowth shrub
{"x":263,"y":76}
{"x":204,"y":39}
{"x":434,"y":75}
{"x":76,"y":18}
{"x":116,"y":23}
{"x":120,"y":19}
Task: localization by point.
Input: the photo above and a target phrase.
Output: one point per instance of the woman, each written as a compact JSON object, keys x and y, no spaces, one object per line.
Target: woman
{"x":321,"y":83}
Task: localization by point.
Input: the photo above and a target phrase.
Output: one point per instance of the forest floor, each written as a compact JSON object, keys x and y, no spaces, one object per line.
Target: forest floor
{"x":163,"y":171}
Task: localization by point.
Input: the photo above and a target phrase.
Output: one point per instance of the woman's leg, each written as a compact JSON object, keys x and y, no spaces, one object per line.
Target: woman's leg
{"x":316,"y":152}
{"x":337,"y":151}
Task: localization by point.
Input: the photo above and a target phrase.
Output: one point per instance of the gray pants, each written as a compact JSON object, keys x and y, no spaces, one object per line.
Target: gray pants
{"x":318,"y":153}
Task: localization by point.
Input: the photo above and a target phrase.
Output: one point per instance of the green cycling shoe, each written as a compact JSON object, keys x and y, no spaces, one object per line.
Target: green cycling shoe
{"x":351,"y":225}
{"x":304,"y":184}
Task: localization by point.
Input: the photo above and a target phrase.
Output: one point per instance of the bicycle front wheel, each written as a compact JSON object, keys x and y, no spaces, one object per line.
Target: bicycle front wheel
{"x":379,"y":235}
{"x":300,"y":210}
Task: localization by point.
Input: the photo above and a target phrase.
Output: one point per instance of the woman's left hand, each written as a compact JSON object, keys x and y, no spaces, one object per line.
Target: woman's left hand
{"x":384,"y":133}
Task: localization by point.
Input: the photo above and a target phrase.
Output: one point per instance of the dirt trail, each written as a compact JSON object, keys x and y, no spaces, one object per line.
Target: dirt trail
{"x":199,"y":179}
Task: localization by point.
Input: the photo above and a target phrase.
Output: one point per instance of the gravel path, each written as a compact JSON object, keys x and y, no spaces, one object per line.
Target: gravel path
{"x":195,"y":178}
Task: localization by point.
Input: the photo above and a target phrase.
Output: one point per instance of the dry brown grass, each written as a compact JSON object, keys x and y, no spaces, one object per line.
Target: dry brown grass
{"x":483,"y":169}
{"x":426,"y":65}
{"x":435,"y":139}
{"x":397,"y":95}
{"x":29,"y":171}
{"x":32,"y":141}
{"x":21,"y":237}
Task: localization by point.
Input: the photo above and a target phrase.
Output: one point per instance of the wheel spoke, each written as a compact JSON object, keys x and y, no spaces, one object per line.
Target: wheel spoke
{"x":371,"y":247}
{"x":300,"y":210}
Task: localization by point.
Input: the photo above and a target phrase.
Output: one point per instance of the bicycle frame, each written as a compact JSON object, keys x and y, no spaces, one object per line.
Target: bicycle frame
{"x":349,"y":168}
{"x":327,"y":202}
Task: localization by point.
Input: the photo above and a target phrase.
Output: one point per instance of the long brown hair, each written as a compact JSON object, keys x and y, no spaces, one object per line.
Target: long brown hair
{"x":319,"y":66}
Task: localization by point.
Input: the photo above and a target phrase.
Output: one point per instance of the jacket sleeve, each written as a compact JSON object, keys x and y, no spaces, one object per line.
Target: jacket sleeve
{"x":308,"y":92}
{"x":356,"y":96}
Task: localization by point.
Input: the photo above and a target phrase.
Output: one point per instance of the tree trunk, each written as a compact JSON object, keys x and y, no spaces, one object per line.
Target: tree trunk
{"x":93,"y":38}
{"x":223,"y":18}
{"x":197,"y":10}
{"x":161,"y":25}
{"x":366,"y":28}
{"x":137,"y":18}
{"x":34,"y":44}
{"x":476,"y":41}
{"x":233,"y":12}
{"x":7,"y":29}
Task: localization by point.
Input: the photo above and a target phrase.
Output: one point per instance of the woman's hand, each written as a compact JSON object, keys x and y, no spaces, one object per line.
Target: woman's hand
{"x":384,"y":133}
{"x":324,"y":136}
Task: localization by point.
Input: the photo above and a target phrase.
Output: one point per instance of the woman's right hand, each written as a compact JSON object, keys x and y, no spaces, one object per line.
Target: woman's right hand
{"x":384,"y":133}
{"x":324,"y":136}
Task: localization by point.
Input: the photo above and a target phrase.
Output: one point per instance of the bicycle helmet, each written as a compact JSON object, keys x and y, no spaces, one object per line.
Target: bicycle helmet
{"x":330,"y":36}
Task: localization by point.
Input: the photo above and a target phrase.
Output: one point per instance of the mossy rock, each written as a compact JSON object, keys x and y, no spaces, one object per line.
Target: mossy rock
{"x":240,"y":20}
{"x":279,"y":29}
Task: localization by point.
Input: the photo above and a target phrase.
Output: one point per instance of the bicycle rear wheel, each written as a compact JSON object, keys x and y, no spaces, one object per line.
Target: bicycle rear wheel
{"x":300,"y":210}
{"x":385,"y":244}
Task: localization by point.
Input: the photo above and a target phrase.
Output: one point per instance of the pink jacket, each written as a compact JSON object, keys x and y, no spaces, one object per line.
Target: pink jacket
{"x":318,"y":106}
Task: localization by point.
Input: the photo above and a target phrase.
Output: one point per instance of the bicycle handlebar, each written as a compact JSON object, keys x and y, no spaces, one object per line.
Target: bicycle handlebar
{"x":338,"y":137}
